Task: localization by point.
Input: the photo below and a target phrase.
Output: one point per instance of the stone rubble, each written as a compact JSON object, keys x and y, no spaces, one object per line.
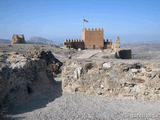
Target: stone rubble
{"x":136,"y":80}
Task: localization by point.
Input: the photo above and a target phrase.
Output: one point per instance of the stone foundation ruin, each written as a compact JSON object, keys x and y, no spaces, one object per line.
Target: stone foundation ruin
{"x":21,"y":75}
{"x":117,"y":79}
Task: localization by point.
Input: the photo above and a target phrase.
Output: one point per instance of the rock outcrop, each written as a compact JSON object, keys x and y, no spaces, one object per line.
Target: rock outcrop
{"x":18,"y":39}
{"x":21,"y":76}
{"x":118,"y":79}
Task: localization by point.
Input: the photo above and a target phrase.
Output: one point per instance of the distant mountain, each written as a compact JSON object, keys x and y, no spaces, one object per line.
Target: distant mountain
{"x":39,"y":40}
{"x":4,"y":41}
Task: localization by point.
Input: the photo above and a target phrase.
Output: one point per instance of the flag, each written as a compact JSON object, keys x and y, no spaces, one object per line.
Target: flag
{"x":84,"y":20}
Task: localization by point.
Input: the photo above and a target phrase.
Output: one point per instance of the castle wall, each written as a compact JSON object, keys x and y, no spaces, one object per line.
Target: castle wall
{"x":108,"y":44}
{"x":93,"y":38}
{"x":76,"y":44}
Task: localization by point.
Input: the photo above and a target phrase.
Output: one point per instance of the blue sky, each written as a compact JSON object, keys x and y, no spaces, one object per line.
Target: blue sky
{"x":132,"y":20}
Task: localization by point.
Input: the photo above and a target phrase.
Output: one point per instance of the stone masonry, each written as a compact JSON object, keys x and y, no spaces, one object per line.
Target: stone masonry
{"x":93,"y":39}
{"x":18,"y":39}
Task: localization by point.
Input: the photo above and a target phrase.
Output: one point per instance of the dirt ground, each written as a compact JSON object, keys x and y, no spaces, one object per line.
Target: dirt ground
{"x":81,"y":107}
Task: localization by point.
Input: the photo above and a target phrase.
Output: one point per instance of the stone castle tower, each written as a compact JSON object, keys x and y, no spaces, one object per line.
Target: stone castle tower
{"x":93,"y":38}
{"x":116,"y":46}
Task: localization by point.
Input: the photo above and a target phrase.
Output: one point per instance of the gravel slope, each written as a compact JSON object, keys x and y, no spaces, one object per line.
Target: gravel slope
{"x":81,"y":107}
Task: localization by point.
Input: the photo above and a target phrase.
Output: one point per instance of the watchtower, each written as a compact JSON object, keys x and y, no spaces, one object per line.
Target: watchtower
{"x":93,"y":38}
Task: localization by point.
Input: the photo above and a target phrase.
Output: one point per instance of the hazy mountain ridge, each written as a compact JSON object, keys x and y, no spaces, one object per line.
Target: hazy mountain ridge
{"x":39,"y":40}
{"x":4,"y":41}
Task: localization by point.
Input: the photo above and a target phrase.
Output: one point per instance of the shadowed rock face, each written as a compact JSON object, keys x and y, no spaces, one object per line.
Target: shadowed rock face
{"x":21,"y":76}
{"x":51,"y":61}
{"x":18,"y":39}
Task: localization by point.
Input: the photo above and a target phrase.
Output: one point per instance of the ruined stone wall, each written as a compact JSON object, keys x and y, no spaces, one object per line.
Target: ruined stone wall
{"x":118,"y":79}
{"x":93,"y":38}
{"x":22,"y":75}
{"x":18,"y":39}
{"x":76,"y":44}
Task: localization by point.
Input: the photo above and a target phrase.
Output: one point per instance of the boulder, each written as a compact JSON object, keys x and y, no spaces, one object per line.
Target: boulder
{"x":78,"y":72}
{"x":18,"y":39}
{"x":107,"y":65}
{"x":134,"y":70}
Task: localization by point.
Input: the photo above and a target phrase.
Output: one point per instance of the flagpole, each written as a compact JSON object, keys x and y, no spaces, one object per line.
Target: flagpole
{"x":83,"y":22}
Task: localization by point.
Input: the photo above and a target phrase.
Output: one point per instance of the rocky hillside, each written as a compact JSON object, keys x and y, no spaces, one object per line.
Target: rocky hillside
{"x":22,"y":75}
{"x":38,"y":40}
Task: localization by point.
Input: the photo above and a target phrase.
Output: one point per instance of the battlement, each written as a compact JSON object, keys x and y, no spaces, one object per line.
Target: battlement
{"x":93,"y":29}
{"x":92,"y":38}
{"x":108,"y":40}
{"x":74,"y":43}
{"x":73,"y":40}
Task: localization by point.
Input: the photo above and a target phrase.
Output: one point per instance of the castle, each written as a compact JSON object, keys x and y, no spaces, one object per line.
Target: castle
{"x":93,"y":39}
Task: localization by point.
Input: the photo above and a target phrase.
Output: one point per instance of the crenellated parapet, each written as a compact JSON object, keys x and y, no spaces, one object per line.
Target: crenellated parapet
{"x":108,"y":43}
{"x":93,"y":29}
{"x":93,"y":38}
{"x":73,"y":41}
{"x":108,"y":40}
